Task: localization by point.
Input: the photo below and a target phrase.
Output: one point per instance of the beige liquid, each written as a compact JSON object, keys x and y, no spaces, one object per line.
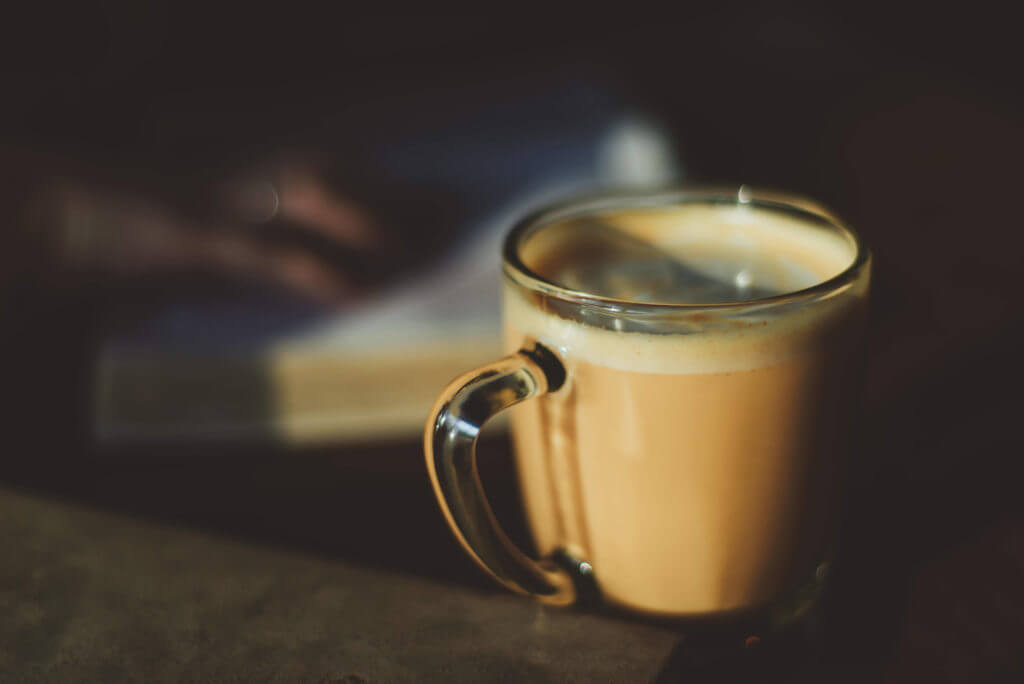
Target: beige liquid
{"x":695,"y":473}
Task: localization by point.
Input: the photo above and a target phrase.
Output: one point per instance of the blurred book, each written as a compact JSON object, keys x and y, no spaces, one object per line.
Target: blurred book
{"x":256,"y":369}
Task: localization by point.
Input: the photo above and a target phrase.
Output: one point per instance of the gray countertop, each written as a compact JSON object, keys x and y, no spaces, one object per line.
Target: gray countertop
{"x":93,"y":596}
{"x":260,"y":565}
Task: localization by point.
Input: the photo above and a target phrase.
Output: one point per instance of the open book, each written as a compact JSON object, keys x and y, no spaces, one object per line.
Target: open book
{"x":369,"y":372}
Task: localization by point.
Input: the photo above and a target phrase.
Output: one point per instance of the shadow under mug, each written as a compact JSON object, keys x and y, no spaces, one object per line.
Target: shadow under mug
{"x":678,"y":460}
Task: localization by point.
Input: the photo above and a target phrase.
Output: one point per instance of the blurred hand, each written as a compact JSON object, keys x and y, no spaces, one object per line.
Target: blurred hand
{"x":94,"y":227}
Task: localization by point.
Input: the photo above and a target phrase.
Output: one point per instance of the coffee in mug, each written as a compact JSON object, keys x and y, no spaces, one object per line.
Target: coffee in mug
{"x":682,"y":377}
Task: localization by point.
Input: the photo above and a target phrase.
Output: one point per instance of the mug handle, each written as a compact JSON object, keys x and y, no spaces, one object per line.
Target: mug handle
{"x":449,"y":444}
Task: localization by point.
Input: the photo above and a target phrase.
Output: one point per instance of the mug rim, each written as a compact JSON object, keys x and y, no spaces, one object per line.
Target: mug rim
{"x":594,"y":202}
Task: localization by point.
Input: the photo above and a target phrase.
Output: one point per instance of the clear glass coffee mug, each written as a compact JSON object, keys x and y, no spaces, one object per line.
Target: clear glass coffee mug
{"x":683,"y":367}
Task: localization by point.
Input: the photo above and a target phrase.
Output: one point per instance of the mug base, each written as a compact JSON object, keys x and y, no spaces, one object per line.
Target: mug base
{"x":795,"y":618}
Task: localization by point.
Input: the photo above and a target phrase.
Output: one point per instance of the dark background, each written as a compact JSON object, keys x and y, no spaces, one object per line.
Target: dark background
{"x":907,"y":122}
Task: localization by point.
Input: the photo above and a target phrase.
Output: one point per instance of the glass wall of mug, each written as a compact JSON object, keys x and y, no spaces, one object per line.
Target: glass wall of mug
{"x":700,"y":351}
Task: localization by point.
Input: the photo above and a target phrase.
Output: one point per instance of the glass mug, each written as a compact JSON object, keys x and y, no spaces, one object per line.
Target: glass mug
{"x":684,"y":367}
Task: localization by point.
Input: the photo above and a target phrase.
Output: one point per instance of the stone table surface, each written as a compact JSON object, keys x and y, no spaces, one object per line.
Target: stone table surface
{"x":91,"y":596}
{"x":251,"y":565}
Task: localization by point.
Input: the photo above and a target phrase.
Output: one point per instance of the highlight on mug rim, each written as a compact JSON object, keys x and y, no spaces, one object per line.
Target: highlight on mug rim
{"x":595,"y":204}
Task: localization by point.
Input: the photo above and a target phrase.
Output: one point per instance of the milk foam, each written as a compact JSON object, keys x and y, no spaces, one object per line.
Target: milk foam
{"x":737,"y":232}
{"x":804,"y":253}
